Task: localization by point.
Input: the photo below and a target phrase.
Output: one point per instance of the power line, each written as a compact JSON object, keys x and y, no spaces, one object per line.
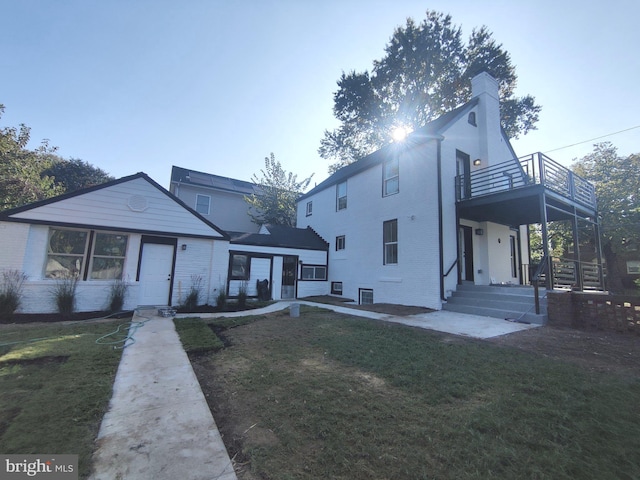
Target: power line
{"x":592,"y":139}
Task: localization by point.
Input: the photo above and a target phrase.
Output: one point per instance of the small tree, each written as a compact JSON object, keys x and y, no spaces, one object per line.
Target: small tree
{"x":275,"y":204}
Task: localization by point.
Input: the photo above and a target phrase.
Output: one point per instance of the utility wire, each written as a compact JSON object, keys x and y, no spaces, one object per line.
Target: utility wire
{"x":592,"y":139}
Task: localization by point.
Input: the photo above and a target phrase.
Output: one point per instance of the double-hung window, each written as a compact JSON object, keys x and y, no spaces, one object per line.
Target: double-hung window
{"x":309,"y":208}
{"x":203,"y":204}
{"x":390,"y":242}
{"x":391,"y":177}
{"x":85,"y":254}
{"x":341,"y":196}
{"x":340,"y":243}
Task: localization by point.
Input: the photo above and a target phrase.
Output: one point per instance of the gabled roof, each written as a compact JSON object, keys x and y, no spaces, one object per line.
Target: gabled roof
{"x":432,"y":130}
{"x":134,"y":203}
{"x":208,"y":180}
{"x":281,"y":236}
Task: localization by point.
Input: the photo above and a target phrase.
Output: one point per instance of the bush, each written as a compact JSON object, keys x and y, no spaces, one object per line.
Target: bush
{"x":221,"y":299}
{"x":242,"y":295}
{"x":118,"y":295}
{"x":65,"y":294}
{"x":637,"y":282}
{"x":11,"y":292}
{"x":192,"y":299}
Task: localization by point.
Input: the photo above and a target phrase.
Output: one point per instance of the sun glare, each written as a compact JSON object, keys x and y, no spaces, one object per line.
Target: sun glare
{"x":400,"y":133}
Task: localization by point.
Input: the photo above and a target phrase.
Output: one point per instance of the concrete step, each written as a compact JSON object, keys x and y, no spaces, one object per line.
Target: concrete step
{"x":501,"y":303}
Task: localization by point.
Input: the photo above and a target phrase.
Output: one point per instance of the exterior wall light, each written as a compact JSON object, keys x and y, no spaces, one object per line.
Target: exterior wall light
{"x":479,"y":231}
{"x":184,"y":246}
{"x":477,"y":162}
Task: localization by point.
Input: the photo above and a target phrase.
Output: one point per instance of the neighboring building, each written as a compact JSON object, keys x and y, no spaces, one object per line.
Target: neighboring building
{"x":130,"y":229}
{"x":449,"y":205}
{"x":218,"y":199}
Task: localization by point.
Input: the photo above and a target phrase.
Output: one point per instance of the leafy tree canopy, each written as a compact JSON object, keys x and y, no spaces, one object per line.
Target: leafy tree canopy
{"x":29,"y":175}
{"x":426,"y":71}
{"x":279,"y":190}
{"x":617,"y":184}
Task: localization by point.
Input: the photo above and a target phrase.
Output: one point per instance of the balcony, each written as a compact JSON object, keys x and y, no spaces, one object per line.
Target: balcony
{"x":514,"y":192}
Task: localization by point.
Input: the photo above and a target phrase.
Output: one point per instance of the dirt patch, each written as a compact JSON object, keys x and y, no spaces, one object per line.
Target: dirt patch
{"x":596,"y":351}
{"x":386,"y":308}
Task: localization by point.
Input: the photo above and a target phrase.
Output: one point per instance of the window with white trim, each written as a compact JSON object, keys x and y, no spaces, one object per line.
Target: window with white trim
{"x":340,"y":242}
{"x":390,"y":242}
{"x":390,"y":177}
{"x":309,"y":208}
{"x":68,"y":254}
{"x":314,"y":272}
{"x":203,"y":204}
{"x":336,"y":288}
{"x":341,"y":196}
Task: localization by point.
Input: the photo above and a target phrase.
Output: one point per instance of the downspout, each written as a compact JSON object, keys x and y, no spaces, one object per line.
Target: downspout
{"x":440,"y":220}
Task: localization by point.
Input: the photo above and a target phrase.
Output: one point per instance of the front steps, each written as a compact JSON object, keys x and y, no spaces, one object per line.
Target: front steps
{"x":515,"y":303}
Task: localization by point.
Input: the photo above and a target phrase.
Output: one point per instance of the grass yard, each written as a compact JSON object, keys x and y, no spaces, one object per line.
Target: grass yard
{"x":332,"y":396}
{"x":55,"y":385}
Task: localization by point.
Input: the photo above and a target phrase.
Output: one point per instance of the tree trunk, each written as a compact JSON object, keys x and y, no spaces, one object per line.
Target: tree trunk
{"x":613,"y":280}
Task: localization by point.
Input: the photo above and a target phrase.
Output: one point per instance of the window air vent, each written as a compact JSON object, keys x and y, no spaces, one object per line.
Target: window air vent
{"x":138,"y":203}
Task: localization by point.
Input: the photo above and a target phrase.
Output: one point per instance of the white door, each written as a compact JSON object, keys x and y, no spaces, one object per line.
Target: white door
{"x":155,"y":274}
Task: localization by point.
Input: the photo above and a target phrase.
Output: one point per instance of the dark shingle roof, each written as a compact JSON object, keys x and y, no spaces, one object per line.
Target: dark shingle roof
{"x":201,"y":179}
{"x":281,"y":236}
{"x":430,"y":131}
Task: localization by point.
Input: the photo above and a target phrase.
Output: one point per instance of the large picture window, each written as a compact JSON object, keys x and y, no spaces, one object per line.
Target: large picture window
{"x":390,"y":241}
{"x":240,"y":267}
{"x":68,"y":254}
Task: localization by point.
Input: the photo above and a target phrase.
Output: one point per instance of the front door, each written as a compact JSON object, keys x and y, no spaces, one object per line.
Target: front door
{"x":155,"y":274}
{"x":289,"y":273}
{"x":466,"y":253}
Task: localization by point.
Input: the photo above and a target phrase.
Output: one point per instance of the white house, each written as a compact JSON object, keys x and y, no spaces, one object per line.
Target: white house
{"x":131,"y":229}
{"x":449,"y":205}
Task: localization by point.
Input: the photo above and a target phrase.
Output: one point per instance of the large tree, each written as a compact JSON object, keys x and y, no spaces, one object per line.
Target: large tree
{"x":426,"y":71}
{"x":28,"y":175}
{"x":275,"y":203}
{"x":617,"y":184}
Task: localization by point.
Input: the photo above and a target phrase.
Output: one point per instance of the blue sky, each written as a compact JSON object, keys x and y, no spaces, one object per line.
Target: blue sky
{"x":216,"y":86}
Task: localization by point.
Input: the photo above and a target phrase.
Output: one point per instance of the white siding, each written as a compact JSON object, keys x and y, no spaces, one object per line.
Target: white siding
{"x":109,"y":207}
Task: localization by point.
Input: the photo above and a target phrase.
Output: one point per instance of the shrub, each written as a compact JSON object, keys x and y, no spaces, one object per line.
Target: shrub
{"x":192,"y":299}
{"x":221,"y":299}
{"x":242,"y":295}
{"x":117,"y":295}
{"x":637,"y":282}
{"x":65,"y":294}
{"x":11,"y":292}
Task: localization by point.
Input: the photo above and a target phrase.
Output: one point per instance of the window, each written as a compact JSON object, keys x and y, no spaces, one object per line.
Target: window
{"x":109,"y":252}
{"x":340,"y":243}
{"x":336,"y":288}
{"x":391,"y":177}
{"x":472,"y":119}
{"x":390,"y":241}
{"x":239,"y":267}
{"x":66,"y":252}
{"x":68,"y":255}
{"x":314,"y":272}
{"x":366,"y":296}
{"x":309,"y":208}
{"x":341,"y":196}
{"x":203,"y":203}
{"x":633,"y":267}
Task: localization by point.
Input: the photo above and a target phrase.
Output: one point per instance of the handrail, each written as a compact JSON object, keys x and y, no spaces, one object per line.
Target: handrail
{"x":455,"y":262}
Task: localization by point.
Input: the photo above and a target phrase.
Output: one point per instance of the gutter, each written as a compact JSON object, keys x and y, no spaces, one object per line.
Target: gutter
{"x":440,"y":220}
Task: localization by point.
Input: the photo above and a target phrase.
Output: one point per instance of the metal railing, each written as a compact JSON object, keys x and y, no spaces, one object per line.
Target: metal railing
{"x":534,"y":169}
{"x":569,"y":274}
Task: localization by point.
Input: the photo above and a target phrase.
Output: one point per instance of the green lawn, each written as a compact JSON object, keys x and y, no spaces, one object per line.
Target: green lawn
{"x":333,"y":396}
{"x":55,"y":385}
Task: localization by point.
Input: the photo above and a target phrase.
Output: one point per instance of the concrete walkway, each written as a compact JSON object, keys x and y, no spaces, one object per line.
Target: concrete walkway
{"x":159,"y":425}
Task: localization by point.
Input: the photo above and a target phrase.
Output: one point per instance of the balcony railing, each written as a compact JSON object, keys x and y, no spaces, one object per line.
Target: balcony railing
{"x":534,"y":169}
